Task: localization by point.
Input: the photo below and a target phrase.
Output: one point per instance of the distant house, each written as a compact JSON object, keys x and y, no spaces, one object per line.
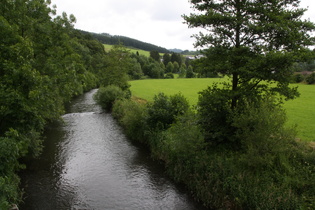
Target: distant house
{"x":195,"y":57}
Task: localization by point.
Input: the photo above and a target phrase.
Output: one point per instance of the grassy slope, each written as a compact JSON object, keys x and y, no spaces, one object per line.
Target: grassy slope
{"x":132,"y":50}
{"x":300,"y":111}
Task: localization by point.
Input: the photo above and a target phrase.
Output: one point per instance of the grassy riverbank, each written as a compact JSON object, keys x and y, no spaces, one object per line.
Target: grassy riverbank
{"x":299,"y":111}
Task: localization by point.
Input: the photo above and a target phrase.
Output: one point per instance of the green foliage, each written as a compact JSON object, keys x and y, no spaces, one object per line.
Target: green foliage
{"x":297,"y":78}
{"x":132,"y":43}
{"x":153,"y":70}
{"x":183,"y":142}
{"x":176,"y":67}
{"x":190,"y":73}
{"x":135,"y":71}
{"x":163,"y":111}
{"x":9,"y":154}
{"x":169,"y":76}
{"x":256,"y":50}
{"x":215,"y":115}
{"x":169,"y":67}
{"x":310,"y":79}
{"x":176,"y":57}
{"x":132,"y":116}
{"x":106,"y":96}
{"x":270,"y":170}
{"x":166,"y":58}
{"x":44,"y":62}
{"x":118,"y":64}
{"x":155,"y":55}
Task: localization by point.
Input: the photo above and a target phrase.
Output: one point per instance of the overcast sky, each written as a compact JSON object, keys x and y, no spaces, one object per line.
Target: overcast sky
{"x":157,"y":22}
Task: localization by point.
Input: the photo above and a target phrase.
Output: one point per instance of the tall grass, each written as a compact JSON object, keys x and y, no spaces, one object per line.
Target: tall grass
{"x":299,"y":111}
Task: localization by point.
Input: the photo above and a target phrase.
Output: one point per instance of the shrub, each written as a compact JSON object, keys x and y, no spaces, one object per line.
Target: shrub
{"x":215,"y":115}
{"x":183,"y":142}
{"x":106,"y":96}
{"x":310,"y":79}
{"x":164,"y":109}
{"x":169,"y":76}
{"x":268,"y":175}
{"x":132,"y":116}
{"x":190,"y":73}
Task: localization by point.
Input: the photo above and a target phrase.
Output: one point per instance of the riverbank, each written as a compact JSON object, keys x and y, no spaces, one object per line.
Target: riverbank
{"x":270,"y":170}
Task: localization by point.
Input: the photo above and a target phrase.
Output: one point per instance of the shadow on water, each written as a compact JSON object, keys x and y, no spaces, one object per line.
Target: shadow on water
{"x":87,"y":163}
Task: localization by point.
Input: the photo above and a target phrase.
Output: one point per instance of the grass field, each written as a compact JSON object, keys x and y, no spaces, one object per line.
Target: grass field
{"x":300,"y":111}
{"x":141,"y":52}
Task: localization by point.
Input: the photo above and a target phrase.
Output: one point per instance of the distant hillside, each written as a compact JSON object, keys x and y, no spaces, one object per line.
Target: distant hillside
{"x":112,"y":40}
{"x":175,"y":50}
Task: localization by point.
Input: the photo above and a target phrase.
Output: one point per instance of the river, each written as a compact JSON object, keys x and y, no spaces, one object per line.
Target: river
{"x":88,"y":163}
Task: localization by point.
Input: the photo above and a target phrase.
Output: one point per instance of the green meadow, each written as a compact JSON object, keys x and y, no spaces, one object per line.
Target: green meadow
{"x":131,"y":50}
{"x":300,"y":111}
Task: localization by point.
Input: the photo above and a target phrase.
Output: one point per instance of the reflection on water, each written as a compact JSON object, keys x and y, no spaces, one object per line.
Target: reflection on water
{"x":88,"y":163}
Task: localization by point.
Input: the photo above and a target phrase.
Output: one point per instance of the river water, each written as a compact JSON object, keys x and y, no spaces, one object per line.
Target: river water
{"x":88,"y":163}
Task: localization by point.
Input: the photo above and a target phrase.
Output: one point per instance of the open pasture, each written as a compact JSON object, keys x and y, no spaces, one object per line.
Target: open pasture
{"x":300,"y":111}
{"x":131,"y":50}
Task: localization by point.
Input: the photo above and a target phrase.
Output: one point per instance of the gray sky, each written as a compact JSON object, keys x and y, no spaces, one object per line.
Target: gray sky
{"x":157,"y":22}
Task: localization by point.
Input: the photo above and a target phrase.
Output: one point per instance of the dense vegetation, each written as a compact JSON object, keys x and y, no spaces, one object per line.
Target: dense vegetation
{"x":116,"y":40}
{"x":44,"y":62}
{"x":233,"y":151}
{"x":263,"y":167}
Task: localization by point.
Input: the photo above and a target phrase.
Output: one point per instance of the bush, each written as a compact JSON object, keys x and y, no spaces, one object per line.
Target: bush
{"x":190,"y":73}
{"x":132,"y":116}
{"x":297,"y":78}
{"x":183,"y":142}
{"x":164,"y":109}
{"x":269,"y":169}
{"x":310,"y":79}
{"x":268,"y":174}
{"x":215,"y":115}
{"x":106,"y":96}
{"x":169,"y":76}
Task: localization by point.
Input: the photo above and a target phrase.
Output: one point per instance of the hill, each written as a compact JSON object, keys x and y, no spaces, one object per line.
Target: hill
{"x":106,"y":38}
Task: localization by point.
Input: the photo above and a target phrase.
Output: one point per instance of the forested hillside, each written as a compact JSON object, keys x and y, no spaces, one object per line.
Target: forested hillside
{"x":114,"y":40}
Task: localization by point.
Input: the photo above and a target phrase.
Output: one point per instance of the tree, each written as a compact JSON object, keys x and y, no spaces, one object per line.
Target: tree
{"x":176,"y":67}
{"x":255,"y":42}
{"x":119,"y":62}
{"x":155,"y":55}
{"x":310,"y":79}
{"x":175,"y":57}
{"x":166,"y":58}
{"x":190,"y":73}
{"x":169,"y":67}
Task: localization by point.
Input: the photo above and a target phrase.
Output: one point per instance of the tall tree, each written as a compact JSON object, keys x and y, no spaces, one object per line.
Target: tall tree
{"x":166,"y":58}
{"x":255,"y":42}
{"x":116,"y":73}
{"x":176,"y":57}
{"x":155,"y":55}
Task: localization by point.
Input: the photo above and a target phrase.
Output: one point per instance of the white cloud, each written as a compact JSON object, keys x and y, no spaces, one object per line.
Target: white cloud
{"x":154,"y":21}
